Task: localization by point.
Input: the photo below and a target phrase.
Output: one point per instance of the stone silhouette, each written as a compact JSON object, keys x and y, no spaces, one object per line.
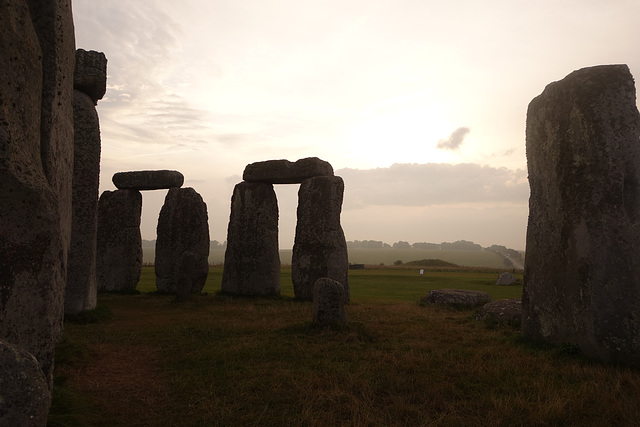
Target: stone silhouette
{"x":119,"y":243}
{"x":582,"y":267}
{"x":183,"y":226}
{"x":328,"y":302}
{"x":252,"y":261}
{"x":90,"y":84}
{"x":320,"y":249}
{"x":36,"y":163}
{"x":286,"y":172}
{"x":148,"y":180}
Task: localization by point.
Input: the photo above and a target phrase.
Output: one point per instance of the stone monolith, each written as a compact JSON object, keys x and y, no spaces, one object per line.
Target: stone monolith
{"x":183,"y":226}
{"x":320,"y":249}
{"x":36,"y":162}
{"x":119,"y":243}
{"x":582,"y":266}
{"x":252,"y":260}
{"x":89,"y":81}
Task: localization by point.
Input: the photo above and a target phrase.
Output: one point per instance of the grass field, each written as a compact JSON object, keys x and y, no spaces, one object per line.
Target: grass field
{"x":218,"y":360}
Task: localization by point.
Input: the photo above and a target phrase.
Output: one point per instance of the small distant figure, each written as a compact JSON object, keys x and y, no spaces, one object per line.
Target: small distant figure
{"x":422,"y":271}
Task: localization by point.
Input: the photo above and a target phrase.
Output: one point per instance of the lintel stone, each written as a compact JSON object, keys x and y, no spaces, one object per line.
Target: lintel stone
{"x":148,"y":180}
{"x":286,"y":172}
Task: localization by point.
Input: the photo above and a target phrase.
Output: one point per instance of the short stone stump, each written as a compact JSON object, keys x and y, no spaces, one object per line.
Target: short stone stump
{"x":328,"y":302}
{"x":458,"y":298}
{"x":504,"y":312}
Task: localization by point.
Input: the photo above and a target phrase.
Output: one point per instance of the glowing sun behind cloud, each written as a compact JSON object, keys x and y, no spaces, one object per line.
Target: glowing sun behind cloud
{"x":400,"y":132}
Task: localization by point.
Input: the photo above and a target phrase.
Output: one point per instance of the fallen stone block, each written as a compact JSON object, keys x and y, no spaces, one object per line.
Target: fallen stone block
{"x":459,"y":298}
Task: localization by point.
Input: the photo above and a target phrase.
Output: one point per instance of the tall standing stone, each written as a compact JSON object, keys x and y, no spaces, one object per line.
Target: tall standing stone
{"x":582,"y":267}
{"x":36,"y":162}
{"x":119,"y":243}
{"x":183,"y":226}
{"x":252,"y":261}
{"x":90,"y":82}
{"x":320,"y":249}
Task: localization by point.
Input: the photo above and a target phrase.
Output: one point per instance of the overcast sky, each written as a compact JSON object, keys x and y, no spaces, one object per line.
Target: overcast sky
{"x":419,"y":105}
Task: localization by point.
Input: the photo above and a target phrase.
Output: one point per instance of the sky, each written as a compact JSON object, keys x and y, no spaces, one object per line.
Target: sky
{"x":419,"y":105}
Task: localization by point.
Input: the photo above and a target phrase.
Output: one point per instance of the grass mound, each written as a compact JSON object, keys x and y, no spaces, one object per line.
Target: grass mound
{"x":431,"y":263}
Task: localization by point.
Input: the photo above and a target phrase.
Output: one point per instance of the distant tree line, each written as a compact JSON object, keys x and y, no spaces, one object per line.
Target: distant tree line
{"x":460,"y":245}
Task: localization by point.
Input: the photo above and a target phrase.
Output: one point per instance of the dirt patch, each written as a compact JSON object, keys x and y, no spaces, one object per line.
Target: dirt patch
{"x":129,"y":379}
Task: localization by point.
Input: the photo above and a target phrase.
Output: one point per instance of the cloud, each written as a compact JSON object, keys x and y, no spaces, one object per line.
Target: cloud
{"x":433,"y":184}
{"x":455,"y":139}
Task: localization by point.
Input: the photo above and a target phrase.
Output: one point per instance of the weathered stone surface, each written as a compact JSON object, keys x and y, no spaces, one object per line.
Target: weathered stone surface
{"x":186,"y":275}
{"x":148,"y":180}
{"x":320,"y":249}
{"x":36,"y":155}
{"x":506,"y":279}
{"x":90,"y":75}
{"x":582,"y":267}
{"x":503,"y":312}
{"x":286,"y":172}
{"x":183,"y":225}
{"x":252,"y":260}
{"x":24,"y":393}
{"x":460,"y":298}
{"x":81,"y":289}
{"x":119,"y":243}
{"x":328,"y":302}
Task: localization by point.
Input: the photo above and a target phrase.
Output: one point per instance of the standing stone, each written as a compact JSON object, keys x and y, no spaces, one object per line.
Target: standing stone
{"x":183,"y":226}
{"x":36,"y":161}
{"x":320,"y":249}
{"x":119,"y":245}
{"x":328,"y":302}
{"x":186,"y":275}
{"x":24,"y":393}
{"x":81,"y":289}
{"x":582,"y":267}
{"x":252,"y":260}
